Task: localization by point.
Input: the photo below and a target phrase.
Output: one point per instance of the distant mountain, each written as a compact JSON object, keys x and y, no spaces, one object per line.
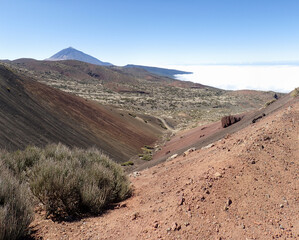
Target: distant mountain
{"x":74,"y":54}
{"x":159,"y":71}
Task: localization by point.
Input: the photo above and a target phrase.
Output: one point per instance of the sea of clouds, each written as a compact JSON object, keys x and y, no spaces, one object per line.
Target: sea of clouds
{"x":279,"y":78}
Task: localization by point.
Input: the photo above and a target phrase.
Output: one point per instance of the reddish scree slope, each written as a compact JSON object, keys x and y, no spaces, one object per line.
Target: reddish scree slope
{"x":33,"y":113}
{"x":244,"y":187}
{"x":201,"y":136}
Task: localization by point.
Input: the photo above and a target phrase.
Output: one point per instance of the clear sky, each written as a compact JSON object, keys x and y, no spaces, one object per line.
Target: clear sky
{"x":152,"y":32}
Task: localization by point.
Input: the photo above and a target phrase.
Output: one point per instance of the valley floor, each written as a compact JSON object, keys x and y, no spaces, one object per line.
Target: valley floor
{"x":244,"y":186}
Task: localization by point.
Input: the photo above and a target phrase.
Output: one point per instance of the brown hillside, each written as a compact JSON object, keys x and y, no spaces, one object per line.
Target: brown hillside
{"x":33,"y":113}
{"x":243,"y":187}
{"x":109,"y":76}
{"x":139,"y":91}
{"x":201,"y":136}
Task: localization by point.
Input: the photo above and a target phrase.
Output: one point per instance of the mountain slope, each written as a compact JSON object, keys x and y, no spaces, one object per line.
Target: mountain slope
{"x":164,"y":72}
{"x":137,"y":90}
{"x":74,"y":54}
{"x":33,"y":113}
{"x":243,"y":187}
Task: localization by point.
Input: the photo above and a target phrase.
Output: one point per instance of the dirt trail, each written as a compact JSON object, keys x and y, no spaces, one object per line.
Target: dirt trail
{"x":244,"y":187}
{"x":202,"y":136}
{"x":166,"y":124}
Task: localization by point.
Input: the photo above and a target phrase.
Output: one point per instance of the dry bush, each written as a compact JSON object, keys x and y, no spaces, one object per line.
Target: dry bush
{"x":270,"y":102}
{"x":69,"y":182}
{"x":15,"y":206}
{"x":74,"y":182}
{"x":20,"y":162}
{"x":295,"y":92}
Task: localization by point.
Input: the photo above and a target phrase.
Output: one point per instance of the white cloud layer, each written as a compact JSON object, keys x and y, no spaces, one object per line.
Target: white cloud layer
{"x":233,"y":77}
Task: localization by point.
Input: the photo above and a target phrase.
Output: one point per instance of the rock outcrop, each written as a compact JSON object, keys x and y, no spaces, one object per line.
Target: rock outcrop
{"x":229,"y":120}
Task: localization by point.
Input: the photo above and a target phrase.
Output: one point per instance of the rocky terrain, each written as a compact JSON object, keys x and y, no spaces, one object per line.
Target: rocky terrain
{"x":243,"y":186}
{"x":134,"y":89}
{"x":192,"y":179}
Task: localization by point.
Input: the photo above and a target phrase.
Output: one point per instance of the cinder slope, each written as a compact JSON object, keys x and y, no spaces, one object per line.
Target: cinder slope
{"x":33,"y":113}
{"x":201,"y":136}
{"x":244,"y":187}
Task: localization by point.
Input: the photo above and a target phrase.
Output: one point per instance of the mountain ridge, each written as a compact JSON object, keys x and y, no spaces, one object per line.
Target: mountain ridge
{"x":164,"y":72}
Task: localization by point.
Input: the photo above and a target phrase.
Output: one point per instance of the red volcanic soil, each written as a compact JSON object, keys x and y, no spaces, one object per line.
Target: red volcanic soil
{"x":202,"y":136}
{"x":33,"y":113}
{"x":245,"y":186}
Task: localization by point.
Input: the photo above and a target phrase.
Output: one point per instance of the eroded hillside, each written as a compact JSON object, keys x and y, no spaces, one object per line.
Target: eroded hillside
{"x":36,"y":114}
{"x":244,"y":186}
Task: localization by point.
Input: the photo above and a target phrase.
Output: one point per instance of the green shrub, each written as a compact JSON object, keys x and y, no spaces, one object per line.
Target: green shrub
{"x":147,"y":157}
{"x":149,"y":147}
{"x":15,"y":206}
{"x":146,"y":150}
{"x":128,"y":163}
{"x":270,"y":102}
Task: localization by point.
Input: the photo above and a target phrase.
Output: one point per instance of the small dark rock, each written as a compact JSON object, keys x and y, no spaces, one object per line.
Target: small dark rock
{"x":181,"y":200}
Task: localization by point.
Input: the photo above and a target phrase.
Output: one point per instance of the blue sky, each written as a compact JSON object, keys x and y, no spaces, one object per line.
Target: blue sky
{"x":153,"y":32}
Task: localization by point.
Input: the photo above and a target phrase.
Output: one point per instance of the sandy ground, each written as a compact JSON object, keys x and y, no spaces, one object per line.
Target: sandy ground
{"x":245,"y":186}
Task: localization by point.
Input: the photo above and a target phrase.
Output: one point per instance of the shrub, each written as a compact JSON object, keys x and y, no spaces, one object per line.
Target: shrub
{"x":295,"y":92}
{"x":128,"y":163}
{"x":69,"y":182}
{"x":147,"y":157}
{"x":74,"y":182}
{"x":270,"y":102}
{"x":148,"y":147}
{"x":147,"y":154}
{"x":132,"y":115}
{"x":15,"y":206}
{"x":20,"y":162}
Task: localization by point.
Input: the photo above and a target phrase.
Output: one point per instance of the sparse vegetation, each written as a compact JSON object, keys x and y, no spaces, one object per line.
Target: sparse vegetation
{"x":295,"y":92}
{"x":147,"y":154}
{"x":270,"y":102}
{"x":16,"y":212}
{"x":184,"y":105}
{"x":163,"y":126}
{"x":132,"y":115}
{"x":69,"y":182}
{"x":149,"y":147}
{"x":128,"y":163}
{"x":147,"y":157}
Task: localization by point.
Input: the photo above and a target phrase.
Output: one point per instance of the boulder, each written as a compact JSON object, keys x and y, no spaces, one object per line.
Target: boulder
{"x":172,"y":157}
{"x":189,"y":151}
